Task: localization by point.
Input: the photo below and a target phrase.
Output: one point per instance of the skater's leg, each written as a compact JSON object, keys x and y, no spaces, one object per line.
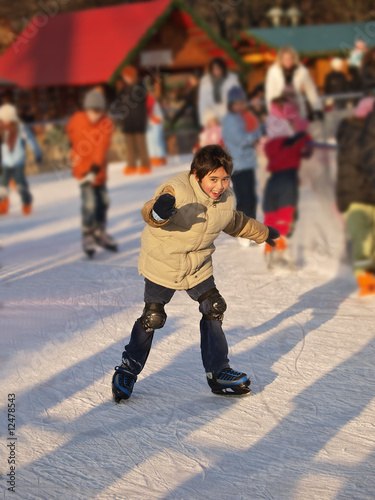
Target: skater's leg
{"x":220,"y":377}
{"x":244,"y":189}
{"x":136,"y":352}
{"x":4,"y":190}
{"x":102,"y":205}
{"x":88,"y":207}
{"x":214,"y":347}
{"x":22,"y":185}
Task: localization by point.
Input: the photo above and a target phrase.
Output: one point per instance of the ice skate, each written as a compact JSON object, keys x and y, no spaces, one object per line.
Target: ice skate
{"x":228,"y":382}
{"x":104,"y":240}
{"x":27,"y":209}
{"x":88,"y":245}
{"x":123,"y":381}
{"x":4,"y":206}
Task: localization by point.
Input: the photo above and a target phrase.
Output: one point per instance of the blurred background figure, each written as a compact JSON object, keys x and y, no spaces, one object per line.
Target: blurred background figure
{"x":287,"y":144}
{"x":368,"y":72}
{"x":90,"y":132}
{"x":240,"y":142}
{"x":356,"y":55}
{"x":336,"y":81}
{"x":134,"y":122}
{"x":214,"y":88}
{"x":189,"y":103}
{"x":355,"y":189}
{"x":288,"y":74}
{"x":14,"y":138}
{"x":155,"y":130}
{"x":211,"y":133}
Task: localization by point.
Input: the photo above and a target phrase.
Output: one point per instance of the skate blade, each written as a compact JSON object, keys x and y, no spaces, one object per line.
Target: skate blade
{"x":231,"y":392}
{"x":118,"y":397}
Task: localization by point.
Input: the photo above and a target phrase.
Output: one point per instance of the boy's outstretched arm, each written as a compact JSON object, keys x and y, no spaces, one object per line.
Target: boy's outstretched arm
{"x":166,"y":208}
{"x":242,"y":226}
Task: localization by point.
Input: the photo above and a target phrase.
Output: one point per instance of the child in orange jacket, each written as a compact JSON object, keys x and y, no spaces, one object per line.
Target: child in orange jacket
{"x":90,"y":132}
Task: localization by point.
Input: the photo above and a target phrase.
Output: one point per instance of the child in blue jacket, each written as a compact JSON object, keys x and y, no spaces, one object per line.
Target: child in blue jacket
{"x":240,"y":141}
{"x":14,"y":136}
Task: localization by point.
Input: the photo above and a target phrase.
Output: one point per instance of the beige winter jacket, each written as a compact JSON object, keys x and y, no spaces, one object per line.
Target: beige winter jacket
{"x":177,"y":253}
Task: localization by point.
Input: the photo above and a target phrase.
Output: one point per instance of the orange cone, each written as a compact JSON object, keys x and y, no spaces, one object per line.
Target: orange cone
{"x":12,"y":184}
{"x":4,"y":206}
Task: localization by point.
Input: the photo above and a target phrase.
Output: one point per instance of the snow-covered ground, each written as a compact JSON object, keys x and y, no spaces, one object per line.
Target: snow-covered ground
{"x":305,"y":338}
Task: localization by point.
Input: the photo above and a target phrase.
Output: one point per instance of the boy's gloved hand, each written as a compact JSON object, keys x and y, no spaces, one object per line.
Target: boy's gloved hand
{"x":273,"y":235}
{"x":164,"y":206}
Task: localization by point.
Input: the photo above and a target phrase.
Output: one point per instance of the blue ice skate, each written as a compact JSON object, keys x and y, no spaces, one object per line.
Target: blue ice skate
{"x":122,"y":383}
{"x":229,"y":382}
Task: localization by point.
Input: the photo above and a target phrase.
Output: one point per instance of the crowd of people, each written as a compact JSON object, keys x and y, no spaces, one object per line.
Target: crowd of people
{"x":227,"y":118}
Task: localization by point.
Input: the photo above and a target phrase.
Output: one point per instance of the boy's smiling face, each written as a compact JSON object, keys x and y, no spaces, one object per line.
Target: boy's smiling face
{"x":215,"y":183}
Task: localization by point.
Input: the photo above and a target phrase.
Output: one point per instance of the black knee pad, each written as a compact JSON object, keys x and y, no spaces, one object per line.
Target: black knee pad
{"x":153,"y":317}
{"x":212,"y":305}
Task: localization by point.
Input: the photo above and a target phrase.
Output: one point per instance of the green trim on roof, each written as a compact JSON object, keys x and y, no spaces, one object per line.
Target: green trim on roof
{"x":316,"y":40}
{"x":174,"y":5}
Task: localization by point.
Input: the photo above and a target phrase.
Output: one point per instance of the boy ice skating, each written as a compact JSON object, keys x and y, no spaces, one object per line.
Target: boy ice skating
{"x":355,"y":189}
{"x":286,"y":145}
{"x":183,"y":220}
{"x":90,"y":132}
{"x":14,"y":136}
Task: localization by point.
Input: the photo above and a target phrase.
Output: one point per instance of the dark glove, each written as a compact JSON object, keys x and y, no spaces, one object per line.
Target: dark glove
{"x":164,"y":206}
{"x":95,"y":169}
{"x":273,"y":235}
{"x":39,"y":159}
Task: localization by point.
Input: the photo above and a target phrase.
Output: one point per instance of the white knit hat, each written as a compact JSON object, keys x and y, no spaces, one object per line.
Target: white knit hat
{"x":8,"y":113}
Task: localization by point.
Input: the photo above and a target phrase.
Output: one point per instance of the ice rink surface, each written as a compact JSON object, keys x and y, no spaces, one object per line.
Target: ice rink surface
{"x":305,"y":338}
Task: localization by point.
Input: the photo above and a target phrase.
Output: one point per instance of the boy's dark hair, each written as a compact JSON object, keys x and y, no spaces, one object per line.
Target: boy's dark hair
{"x":210,"y":158}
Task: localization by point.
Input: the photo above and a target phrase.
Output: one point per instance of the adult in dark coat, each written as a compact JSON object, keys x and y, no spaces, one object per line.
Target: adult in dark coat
{"x":133,"y":113}
{"x":368,"y":72}
{"x":355,"y":189}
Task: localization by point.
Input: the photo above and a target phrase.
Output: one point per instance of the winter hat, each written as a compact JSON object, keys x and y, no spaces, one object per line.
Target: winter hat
{"x":278,"y":127}
{"x":364,"y":107}
{"x":236,"y":94}
{"x":94,"y":100}
{"x":208,"y":115}
{"x":337,"y":64}
{"x":8,"y":113}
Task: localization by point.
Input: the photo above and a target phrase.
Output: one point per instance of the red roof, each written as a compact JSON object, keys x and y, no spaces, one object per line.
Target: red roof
{"x":78,"y":48}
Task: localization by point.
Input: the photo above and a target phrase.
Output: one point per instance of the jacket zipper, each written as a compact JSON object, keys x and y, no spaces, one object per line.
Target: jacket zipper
{"x":197,"y":245}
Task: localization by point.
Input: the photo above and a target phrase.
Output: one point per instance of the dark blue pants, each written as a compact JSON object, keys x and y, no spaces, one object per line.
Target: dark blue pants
{"x":94,"y":206}
{"x":214,"y":347}
{"x":244,"y":189}
{"x":18,"y":175}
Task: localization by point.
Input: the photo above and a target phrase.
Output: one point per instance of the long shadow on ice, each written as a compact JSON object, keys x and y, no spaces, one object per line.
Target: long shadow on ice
{"x":293,"y":454}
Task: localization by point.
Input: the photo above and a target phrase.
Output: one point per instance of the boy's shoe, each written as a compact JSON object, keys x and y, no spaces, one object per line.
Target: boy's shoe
{"x":103,"y":239}
{"x":27,"y":209}
{"x":4,"y":206}
{"x":145,"y":170}
{"x":366,"y":283}
{"x":130,"y":170}
{"x":88,"y":244}
{"x":123,"y":381}
{"x":229,"y":382}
